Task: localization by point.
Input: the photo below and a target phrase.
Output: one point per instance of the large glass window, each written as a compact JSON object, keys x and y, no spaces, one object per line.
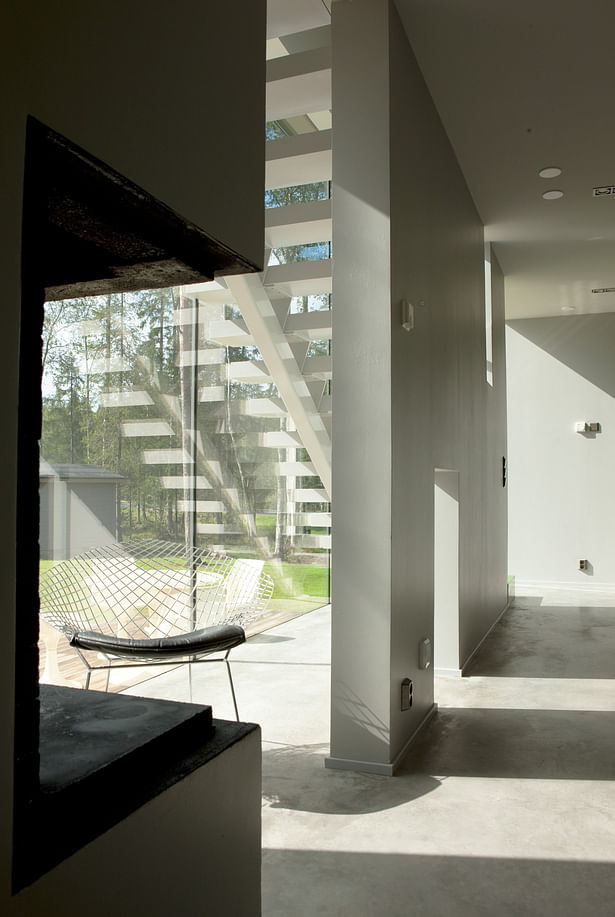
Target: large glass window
{"x":161,"y":420}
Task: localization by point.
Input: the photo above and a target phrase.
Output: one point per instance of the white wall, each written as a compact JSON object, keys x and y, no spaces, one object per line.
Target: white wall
{"x":562,"y":497}
{"x":161,"y":98}
{"x":194,"y":849}
{"x":446,"y":415}
{"x":362,"y":456}
{"x":446,"y":571}
{"x":174,"y":99}
{"x":404,"y":403}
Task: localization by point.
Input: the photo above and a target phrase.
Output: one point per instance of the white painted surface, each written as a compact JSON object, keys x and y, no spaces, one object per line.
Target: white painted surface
{"x":178,"y":854}
{"x":310,"y":326}
{"x":298,"y":160}
{"x":265,"y":328}
{"x":361,"y":619}
{"x":405,"y":227}
{"x":519,"y":86}
{"x":160,"y":105}
{"x":92,"y":514}
{"x":296,"y":224}
{"x":285,"y":17}
{"x":562,"y":496}
{"x":300,"y":278}
{"x":446,"y":570}
{"x":299,"y":83}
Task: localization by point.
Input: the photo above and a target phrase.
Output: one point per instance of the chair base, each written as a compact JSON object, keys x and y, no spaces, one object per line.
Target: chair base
{"x":167,"y":662}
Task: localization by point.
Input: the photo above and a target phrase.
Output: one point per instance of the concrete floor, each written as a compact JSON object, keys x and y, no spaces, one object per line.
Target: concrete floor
{"x":506,"y":805}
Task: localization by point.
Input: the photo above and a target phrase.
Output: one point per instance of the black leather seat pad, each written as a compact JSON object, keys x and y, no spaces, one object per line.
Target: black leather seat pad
{"x":214,"y":639}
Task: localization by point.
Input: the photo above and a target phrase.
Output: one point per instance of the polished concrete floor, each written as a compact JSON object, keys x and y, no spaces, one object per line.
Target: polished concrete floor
{"x":506,"y":805}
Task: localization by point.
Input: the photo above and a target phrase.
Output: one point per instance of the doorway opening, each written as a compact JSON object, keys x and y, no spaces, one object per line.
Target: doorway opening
{"x":446,"y":572}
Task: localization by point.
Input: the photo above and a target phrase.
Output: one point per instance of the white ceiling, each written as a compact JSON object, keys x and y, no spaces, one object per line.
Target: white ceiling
{"x":521,"y":85}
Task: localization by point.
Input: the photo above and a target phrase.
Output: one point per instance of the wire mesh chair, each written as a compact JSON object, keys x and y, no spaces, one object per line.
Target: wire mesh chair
{"x":154,"y":603}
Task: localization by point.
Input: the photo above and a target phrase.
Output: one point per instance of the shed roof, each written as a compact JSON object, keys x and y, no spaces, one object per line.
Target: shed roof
{"x":67,"y":471}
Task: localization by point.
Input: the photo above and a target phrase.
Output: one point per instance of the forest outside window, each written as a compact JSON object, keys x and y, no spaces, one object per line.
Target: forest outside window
{"x":154,"y":426}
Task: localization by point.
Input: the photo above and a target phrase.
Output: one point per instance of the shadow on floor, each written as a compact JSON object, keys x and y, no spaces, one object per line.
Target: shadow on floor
{"x":329,"y":882}
{"x":550,"y":642}
{"x":525,"y":744}
{"x":527,"y":601}
{"x":294,"y":778}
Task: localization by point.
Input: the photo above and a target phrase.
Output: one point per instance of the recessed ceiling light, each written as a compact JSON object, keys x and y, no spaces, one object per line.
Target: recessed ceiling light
{"x":568,"y":309}
{"x":552,"y":195}
{"x":550,"y":172}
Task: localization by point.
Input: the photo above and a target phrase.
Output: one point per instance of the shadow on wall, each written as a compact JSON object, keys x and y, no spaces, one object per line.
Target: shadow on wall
{"x":398,"y":884}
{"x":582,"y":342}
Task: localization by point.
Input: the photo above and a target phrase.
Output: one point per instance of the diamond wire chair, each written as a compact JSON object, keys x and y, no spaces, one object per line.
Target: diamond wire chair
{"x":154,"y":603}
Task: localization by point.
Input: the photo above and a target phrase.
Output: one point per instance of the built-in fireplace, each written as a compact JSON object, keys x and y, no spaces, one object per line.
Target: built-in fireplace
{"x":88,"y":230}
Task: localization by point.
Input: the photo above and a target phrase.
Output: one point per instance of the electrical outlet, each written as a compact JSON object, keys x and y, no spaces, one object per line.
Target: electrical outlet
{"x":406,"y":694}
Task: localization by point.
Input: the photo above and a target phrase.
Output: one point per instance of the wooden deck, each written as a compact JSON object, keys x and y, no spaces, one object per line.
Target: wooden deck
{"x":61,"y":665}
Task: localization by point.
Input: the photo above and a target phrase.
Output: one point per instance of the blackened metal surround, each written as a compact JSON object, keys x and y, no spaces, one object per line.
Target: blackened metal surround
{"x":104,"y":234}
{"x":86,"y":230}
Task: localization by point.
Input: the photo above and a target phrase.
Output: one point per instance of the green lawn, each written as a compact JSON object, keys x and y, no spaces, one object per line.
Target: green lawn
{"x":298,"y":580}
{"x":304,"y":582}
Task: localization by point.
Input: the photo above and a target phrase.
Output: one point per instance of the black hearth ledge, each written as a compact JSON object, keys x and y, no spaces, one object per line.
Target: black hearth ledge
{"x":103,"y":756}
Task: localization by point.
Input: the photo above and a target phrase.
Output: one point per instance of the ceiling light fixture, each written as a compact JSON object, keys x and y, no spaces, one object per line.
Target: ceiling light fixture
{"x":568,"y":309}
{"x":552,"y":195}
{"x":550,"y":172}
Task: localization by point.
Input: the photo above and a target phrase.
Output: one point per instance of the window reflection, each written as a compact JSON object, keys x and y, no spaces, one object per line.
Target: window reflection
{"x":161,"y":420}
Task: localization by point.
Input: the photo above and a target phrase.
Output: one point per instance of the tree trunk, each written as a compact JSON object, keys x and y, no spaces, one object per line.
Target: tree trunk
{"x":188,"y":341}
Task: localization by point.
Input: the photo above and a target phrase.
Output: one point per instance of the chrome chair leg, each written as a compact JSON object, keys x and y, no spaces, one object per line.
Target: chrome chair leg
{"x":230,"y":678}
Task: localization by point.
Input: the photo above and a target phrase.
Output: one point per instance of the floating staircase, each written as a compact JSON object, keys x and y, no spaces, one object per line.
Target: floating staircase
{"x":260,"y":345}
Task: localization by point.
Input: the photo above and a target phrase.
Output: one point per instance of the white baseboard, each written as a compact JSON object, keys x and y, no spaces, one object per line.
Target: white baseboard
{"x":374,"y":767}
{"x":593,"y":587}
{"x":365,"y":767}
{"x":448,"y":673}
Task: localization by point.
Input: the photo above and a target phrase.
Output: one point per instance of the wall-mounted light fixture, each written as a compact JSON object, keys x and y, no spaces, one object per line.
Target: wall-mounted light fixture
{"x":407,"y":315}
{"x":425,"y":654}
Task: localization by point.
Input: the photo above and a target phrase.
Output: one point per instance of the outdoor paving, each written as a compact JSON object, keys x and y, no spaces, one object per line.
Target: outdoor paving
{"x":281,"y":679}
